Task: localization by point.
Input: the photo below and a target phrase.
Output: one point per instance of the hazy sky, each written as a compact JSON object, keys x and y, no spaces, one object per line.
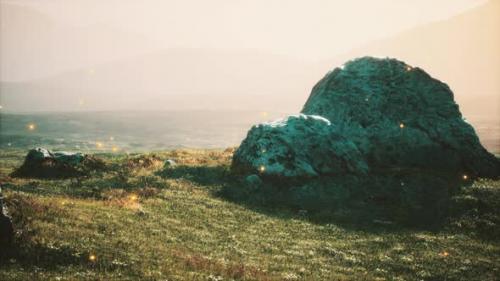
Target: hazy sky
{"x":258,"y":54}
{"x":312,"y":29}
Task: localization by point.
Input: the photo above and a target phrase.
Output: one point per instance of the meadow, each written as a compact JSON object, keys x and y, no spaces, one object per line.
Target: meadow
{"x":136,"y":221}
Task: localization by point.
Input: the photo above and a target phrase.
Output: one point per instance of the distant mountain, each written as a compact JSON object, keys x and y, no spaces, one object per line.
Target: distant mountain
{"x":173,"y":79}
{"x":461,"y":51}
{"x":32,"y":45}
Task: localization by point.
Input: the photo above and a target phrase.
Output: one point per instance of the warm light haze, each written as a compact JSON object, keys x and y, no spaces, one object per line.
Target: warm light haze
{"x":263,"y":140}
{"x":234,"y":55}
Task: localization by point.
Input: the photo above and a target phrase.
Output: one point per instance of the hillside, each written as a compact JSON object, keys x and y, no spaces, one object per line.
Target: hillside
{"x":194,"y":222}
{"x":173,"y":79}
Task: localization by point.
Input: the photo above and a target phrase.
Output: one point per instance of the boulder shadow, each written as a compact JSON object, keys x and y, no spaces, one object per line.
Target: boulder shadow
{"x":390,"y":202}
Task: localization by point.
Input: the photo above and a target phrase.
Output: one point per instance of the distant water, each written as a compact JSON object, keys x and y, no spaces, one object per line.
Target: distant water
{"x":129,"y":131}
{"x":144,"y":131}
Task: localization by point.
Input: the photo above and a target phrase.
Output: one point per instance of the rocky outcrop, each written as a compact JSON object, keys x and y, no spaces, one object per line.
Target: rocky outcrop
{"x":6,"y":228}
{"x":43,"y":163}
{"x":371,"y":115}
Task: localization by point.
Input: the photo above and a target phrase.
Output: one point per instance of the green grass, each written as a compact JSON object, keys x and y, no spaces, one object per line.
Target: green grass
{"x":142,"y":223}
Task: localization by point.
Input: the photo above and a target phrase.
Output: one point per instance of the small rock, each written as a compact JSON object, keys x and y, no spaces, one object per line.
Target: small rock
{"x":253,"y":181}
{"x":384,"y":222}
{"x":169,"y":163}
{"x":140,"y":212}
{"x":302,"y":213}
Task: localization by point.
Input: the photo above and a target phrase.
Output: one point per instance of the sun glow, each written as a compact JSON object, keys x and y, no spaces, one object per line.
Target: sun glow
{"x":444,"y":254}
{"x":31,"y":126}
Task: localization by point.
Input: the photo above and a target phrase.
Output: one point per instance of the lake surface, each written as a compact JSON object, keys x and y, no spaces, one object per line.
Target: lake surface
{"x":145,"y":131}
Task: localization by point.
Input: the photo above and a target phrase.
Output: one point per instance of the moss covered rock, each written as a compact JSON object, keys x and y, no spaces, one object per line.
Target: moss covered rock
{"x":298,"y":146}
{"x":43,"y":163}
{"x":408,"y":118}
{"x":377,"y":115}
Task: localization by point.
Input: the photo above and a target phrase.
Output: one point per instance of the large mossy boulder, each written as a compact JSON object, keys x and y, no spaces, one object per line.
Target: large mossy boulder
{"x":376,"y":115}
{"x":43,"y":163}
{"x":410,"y":120}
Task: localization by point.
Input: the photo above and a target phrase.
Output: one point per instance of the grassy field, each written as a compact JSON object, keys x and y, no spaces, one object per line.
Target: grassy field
{"x":138,"y":222}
